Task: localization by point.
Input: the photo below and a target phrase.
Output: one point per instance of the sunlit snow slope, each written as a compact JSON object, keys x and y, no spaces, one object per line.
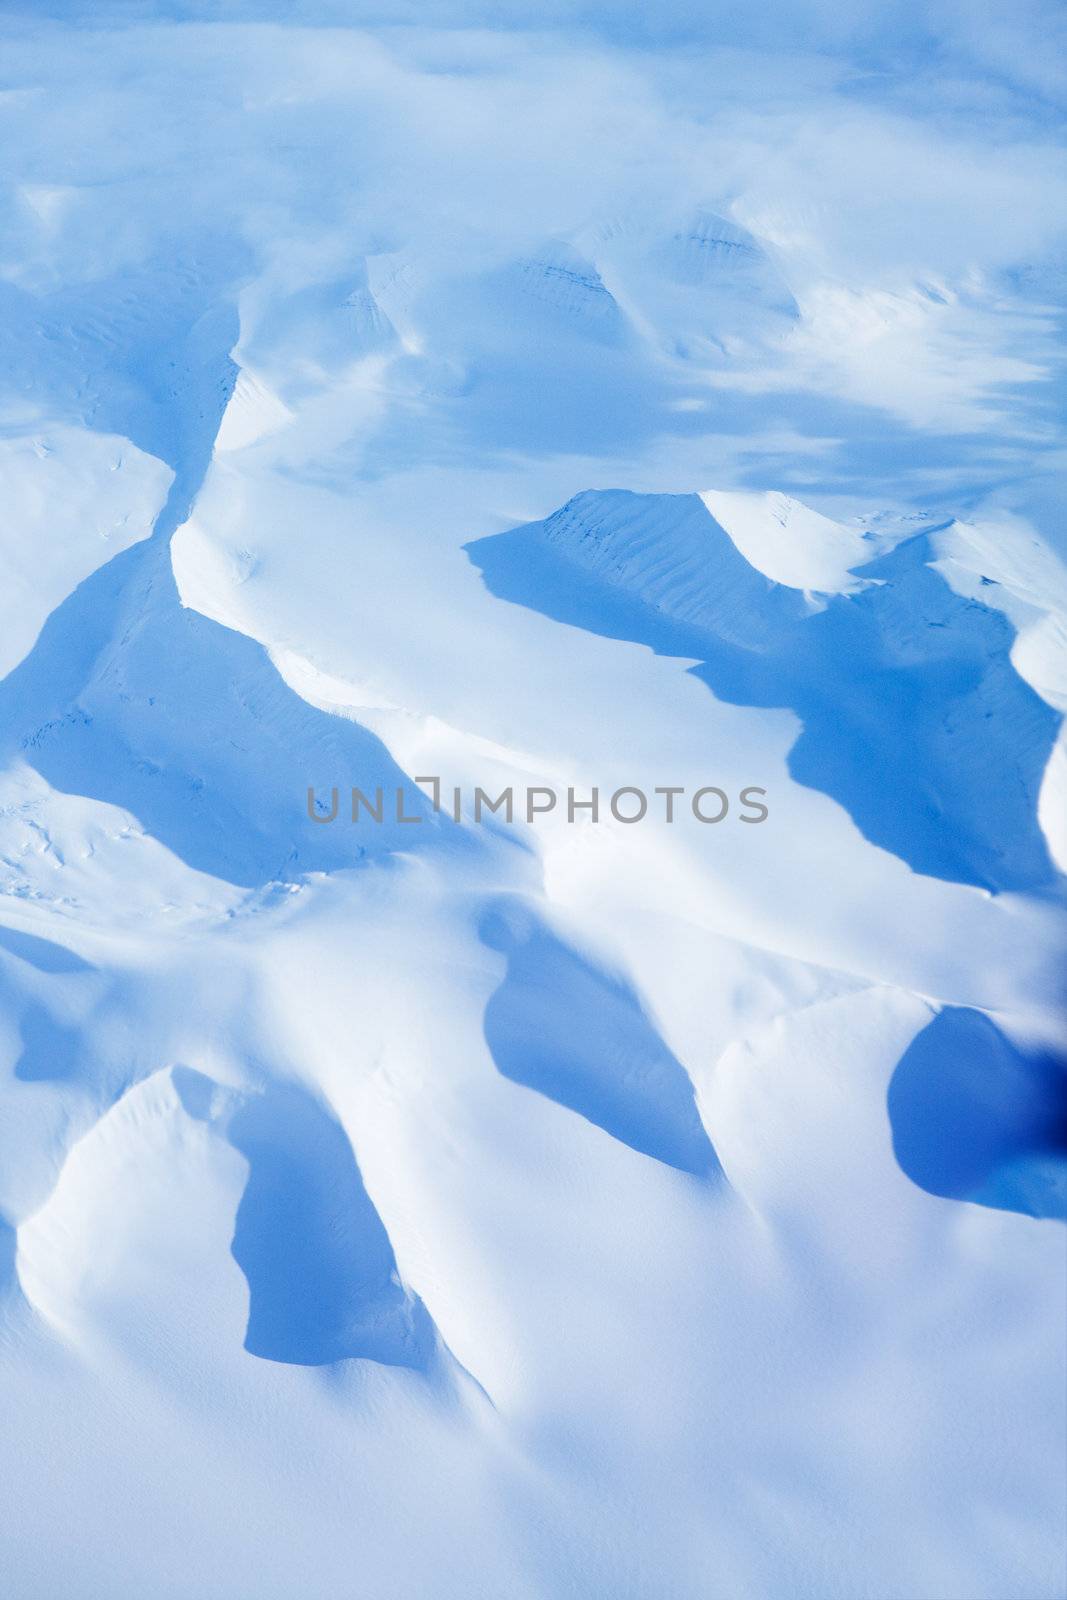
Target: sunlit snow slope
{"x":487,"y":1210}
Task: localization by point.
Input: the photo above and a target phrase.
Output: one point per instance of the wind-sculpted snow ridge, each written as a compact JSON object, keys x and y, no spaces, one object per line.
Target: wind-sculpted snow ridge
{"x":321,"y":1276}
{"x":188,"y":725}
{"x":912,"y":713}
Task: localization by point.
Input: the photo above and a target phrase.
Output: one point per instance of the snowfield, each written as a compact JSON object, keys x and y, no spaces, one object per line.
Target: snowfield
{"x":485,"y":1209}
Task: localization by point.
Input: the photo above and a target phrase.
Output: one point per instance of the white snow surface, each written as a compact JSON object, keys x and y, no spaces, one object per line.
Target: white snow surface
{"x":472,"y":1210}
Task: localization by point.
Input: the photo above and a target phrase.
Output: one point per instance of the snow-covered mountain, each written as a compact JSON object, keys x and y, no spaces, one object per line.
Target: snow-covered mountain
{"x":660,"y":1199}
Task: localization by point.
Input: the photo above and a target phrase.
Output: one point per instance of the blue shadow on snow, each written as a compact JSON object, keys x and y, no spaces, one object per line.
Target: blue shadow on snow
{"x":321,"y":1273}
{"x":974,"y":1118}
{"x":580,"y":1037}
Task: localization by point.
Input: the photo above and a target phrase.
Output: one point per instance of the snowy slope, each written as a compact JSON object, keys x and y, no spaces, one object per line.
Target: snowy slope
{"x":467,"y":1207}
